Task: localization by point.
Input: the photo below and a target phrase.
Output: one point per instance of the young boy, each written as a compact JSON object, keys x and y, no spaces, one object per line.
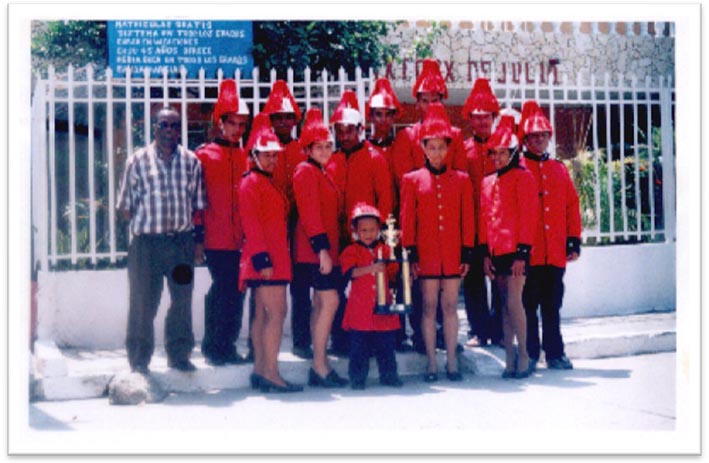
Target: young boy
{"x":368,"y":332}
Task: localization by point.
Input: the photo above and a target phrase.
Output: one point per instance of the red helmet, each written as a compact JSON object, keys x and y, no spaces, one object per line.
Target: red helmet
{"x":281,"y":100}
{"x":262,"y":137}
{"x":362,"y":210}
{"x":504,"y":135}
{"x":533,"y":120}
{"x":228,"y":101}
{"x":436,"y":124}
{"x":347,"y":111}
{"x":314,"y":128}
{"x":430,"y":80}
{"x":383,"y":96}
{"x":481,"y":100}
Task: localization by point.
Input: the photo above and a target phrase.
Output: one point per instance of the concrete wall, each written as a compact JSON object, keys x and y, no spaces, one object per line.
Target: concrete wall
{"x":89,"y":308}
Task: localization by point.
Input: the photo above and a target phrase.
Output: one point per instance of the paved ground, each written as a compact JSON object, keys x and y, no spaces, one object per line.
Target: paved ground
{"x":614,"y":394}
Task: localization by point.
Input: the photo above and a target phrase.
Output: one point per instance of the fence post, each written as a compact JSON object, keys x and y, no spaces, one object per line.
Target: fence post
{"x":111,"y":168}
{"x":91,"y":161}
{"x":72,"y":164}
{"x":40,"y":218}
{"x":668,"y":160}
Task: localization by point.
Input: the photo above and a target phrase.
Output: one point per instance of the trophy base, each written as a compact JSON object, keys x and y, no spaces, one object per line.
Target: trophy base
{"x":393,"y":309}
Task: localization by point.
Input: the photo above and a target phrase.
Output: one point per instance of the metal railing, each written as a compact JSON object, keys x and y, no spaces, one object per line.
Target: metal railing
{"x":84,"y":126}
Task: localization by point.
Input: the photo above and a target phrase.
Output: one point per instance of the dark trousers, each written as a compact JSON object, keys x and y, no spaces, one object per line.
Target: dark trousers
{"x":150,"y":259}
{"x":365,"y":343}
{"x":223,"y":305}
{"x":485,"y":320}
{"x":301,"y":306}
{"x":544,"y":289}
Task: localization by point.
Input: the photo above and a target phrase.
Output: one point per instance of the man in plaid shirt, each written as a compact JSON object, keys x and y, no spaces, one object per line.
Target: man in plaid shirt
{"x":162,"y":187}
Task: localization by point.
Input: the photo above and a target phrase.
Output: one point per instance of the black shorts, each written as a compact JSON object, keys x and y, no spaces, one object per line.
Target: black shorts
{"x":259,"y":283}
{"x":322,"y":282}
{"x":503,"y":264}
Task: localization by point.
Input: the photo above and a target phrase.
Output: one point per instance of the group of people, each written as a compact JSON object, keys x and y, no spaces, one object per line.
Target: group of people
{"x":307,"y":213}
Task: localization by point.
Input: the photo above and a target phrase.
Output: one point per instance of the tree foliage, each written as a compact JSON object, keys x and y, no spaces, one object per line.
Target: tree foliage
{"x":61,"y":43}
{"x":322,"y":45}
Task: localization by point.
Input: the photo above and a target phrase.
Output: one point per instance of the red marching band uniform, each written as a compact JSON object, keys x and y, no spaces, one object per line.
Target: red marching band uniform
{"x":363,"y":175}
{"x":558,"y":200}
{"x":480,"y":100}
{"x":264,"y":212}
{"x":223,"y":165}
{"x":280,"y":100}
{"x":506,"y":195}
{"x":319,"y":200}
{"x":359,"y":313}
{"x":383,"y":97}
{"x":408,"y":154}
{"x":437,"y":220}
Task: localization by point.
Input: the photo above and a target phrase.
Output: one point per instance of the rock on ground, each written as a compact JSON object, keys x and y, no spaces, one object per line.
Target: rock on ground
{"x":133,"y":389}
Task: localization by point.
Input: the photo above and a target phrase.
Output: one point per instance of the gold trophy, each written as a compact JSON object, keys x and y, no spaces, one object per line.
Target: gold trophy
{"x":391,"y":239}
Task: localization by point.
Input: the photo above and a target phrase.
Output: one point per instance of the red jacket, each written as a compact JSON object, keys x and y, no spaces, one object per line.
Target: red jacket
{"x":479,"y":165}
{"x":437,"y":219}
{"x":359,"y":312}
{"x":386,"y":149}
{"x":320,"y":203}
{"x":223,"y":164}
{"x":408,"y":153}
{"x":559,"y":216}
{"x":288,"y":160}
{"x":508,"y":203}
{"x":264,"y":210}
{"x":364,"y":176}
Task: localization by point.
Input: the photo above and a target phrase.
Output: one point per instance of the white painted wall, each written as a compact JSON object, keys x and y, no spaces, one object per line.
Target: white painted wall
{"x":89,"y":308}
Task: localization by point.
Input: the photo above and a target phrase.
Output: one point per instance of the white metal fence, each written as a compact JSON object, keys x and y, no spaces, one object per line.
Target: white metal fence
{"x":84,"y":126}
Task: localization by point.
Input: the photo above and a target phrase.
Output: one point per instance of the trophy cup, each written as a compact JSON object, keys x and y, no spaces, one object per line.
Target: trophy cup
{"x":391,"y":239}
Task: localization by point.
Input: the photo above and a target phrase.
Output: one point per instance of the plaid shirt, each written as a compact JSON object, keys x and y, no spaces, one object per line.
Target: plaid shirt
{"x":162,"y":196}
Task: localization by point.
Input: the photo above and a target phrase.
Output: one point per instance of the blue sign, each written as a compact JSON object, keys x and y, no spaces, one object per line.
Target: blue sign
{"x":152,"y":44}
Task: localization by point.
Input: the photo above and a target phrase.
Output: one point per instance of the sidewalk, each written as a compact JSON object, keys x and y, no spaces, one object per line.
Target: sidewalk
{"x":62,"y":374}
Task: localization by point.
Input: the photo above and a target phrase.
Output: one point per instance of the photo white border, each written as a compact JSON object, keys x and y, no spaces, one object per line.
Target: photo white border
{"x":686,"y":437}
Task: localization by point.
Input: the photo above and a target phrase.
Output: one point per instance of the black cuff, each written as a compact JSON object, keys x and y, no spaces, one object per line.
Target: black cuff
{"x":347,"y":276}
{"x":482,"y":251}
{"x":523,"y":251}
{"x":413,"y":254}
{"x":198,"y":233}
{"x":319,"y":242}
{"x":573,"y":245}
{"x":467,"y":254}
{"x":261,"y":261}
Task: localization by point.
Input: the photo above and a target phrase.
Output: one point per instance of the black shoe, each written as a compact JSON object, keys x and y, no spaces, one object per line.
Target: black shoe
{"x":255,"y":380}
{"x":331,"y":380}
{"x":533,"y":365}
{"x":267,"y":386}
{"x":430,"y":377}
{"x":561,"y":363}
{"x":508,"y":374}
{"x":391,"y":381}
{"x":142,"y":369}
{"x":182,"y":365}
{"x":303,"y":352}
{"x":357,"y":385}
{"x":522,"y":374}
{"x":214,"y":362}
{"x":454,"y":376}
